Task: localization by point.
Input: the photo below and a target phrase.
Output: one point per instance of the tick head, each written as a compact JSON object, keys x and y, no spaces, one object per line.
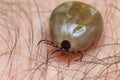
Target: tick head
{"x":65,"y":45}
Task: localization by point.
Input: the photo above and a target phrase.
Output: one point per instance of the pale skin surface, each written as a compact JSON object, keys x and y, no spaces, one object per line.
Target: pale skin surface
{"x":24,"y":23}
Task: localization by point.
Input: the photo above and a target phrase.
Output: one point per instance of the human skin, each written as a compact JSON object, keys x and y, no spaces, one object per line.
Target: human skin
{"x":24,"y":23}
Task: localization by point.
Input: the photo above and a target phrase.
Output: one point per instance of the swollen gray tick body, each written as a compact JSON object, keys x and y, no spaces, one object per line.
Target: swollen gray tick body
{"x":73,"y":27}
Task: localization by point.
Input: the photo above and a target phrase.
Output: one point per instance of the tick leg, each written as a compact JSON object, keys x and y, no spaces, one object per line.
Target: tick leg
{"x":54,"y":51}
{"x":47,"y":42}
{"x":69,"y":58}
{"x":80,"y":56}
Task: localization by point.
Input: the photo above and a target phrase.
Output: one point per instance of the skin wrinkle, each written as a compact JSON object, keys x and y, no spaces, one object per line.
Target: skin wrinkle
{"x":24,"y":23}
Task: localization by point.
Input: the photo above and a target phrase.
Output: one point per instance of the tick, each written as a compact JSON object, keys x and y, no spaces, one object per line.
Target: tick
{"x":73,"y":27}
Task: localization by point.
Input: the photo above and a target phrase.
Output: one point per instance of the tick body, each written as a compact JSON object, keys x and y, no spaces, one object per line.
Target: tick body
{"x":73,"y":27}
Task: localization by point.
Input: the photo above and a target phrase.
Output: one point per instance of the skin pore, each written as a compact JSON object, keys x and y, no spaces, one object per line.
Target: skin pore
{"x":24,"y":23}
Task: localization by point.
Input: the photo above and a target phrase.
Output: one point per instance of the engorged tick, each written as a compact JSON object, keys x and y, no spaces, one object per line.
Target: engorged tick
{"x":73,"y":27}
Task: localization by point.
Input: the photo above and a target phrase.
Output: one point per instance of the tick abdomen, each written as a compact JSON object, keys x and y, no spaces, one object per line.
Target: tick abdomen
{"x":76,"y":22}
